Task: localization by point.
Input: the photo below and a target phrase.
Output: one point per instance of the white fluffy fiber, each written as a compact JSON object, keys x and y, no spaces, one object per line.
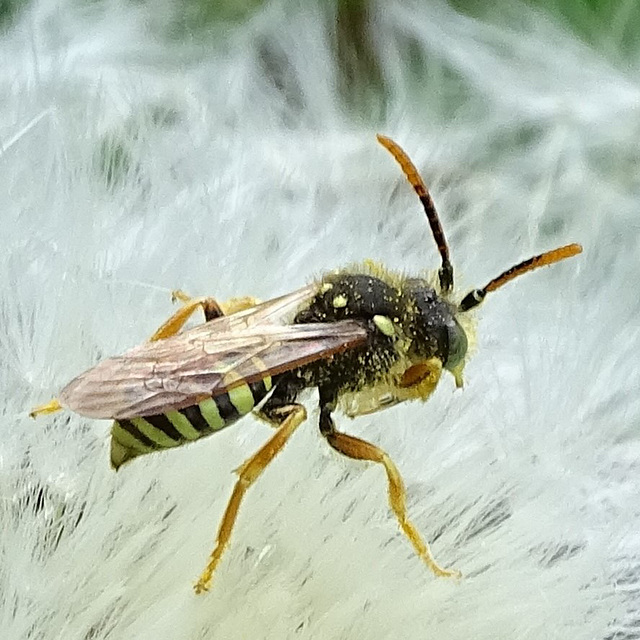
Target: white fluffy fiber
{"x":527,"y":480}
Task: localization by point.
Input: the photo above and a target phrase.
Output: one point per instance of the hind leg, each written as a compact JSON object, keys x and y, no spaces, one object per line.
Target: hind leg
{"x":211,"y":308}
{"x":289,"y":417}
{"x":169,"y":328}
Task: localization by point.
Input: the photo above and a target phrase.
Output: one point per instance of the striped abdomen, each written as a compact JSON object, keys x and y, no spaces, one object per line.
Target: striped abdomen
{"x":136,"y":436}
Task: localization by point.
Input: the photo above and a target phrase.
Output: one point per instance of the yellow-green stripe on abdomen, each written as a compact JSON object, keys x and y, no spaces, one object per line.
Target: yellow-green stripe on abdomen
{"x":137,"y":436}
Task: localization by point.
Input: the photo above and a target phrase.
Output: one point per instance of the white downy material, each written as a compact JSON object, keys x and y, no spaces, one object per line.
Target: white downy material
{"x":129,"y":168}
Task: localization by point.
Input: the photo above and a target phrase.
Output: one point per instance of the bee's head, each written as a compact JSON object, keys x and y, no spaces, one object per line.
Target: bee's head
{"x":437,"y":329}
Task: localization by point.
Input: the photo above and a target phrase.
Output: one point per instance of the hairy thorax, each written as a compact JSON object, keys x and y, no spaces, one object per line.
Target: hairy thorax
{"x":400,"y":360}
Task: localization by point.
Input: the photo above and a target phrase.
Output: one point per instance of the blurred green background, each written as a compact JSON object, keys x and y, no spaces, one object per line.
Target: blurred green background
{"x":610,"y":26}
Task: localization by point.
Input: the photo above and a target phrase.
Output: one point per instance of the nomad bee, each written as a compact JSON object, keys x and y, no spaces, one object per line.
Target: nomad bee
{"x":366,"y":338}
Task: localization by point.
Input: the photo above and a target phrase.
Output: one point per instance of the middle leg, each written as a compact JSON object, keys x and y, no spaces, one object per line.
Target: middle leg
{"x":359,"y":449}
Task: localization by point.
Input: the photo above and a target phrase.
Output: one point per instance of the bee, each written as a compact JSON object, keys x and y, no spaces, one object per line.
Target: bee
{"x":366,"y":338}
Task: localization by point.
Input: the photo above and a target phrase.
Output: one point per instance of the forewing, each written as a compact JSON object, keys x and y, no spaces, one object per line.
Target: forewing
{"x":182,"y":370}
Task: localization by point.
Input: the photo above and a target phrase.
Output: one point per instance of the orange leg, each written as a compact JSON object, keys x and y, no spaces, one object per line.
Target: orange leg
{"x":169,"y":328}
{"x":361,"y":450}
{"x":212,"y":310}
{"x":43,"y":409}
{"x":292,"y":417}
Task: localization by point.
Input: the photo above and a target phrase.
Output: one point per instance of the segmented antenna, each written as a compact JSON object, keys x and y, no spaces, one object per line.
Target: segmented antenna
{"x":445,"y":272}
{"x":475,"y":297}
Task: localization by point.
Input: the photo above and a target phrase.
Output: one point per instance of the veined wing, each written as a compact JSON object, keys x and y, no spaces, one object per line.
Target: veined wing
{"x":208,"y":360}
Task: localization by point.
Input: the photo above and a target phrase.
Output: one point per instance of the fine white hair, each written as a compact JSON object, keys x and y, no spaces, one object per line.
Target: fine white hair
{"x":243,"y":162}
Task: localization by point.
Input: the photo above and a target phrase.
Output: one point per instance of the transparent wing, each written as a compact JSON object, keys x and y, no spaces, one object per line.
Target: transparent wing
{"x":180,"y":371}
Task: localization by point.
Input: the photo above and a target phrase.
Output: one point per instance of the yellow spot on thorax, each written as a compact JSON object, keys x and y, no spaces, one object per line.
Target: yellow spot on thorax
{"x":385,"y":325}
{"x":339,"y":302}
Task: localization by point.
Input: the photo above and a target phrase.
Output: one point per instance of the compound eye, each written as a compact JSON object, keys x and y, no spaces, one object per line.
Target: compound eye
{"x":458,"y":345}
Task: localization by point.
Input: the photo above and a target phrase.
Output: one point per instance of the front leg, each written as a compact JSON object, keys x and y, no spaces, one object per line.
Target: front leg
{"x":358,"y":449}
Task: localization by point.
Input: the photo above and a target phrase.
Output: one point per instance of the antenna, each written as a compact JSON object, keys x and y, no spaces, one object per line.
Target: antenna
{"x":476,"y":296}
{"x":445,"y":273}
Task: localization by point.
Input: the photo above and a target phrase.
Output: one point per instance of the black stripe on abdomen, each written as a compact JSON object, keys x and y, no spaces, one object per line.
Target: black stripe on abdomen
{"x":136,"y":436}
{"x":132,"y":430}
{"x":195,"y":417}
{"x":259,"y":390}
{"x":227,"y":411}
{"x":163,"y":423}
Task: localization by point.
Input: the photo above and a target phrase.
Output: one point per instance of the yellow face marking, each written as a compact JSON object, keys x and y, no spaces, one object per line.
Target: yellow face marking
{"x":327,"y":286}
{"x":242,"y":399}
{"x":385,"y":325}
{"x":211,"y":413}
{"x":182,"y":425}
{"x":125,"y":439}
{"x":155,"y":435}
{"x":339,"y":302}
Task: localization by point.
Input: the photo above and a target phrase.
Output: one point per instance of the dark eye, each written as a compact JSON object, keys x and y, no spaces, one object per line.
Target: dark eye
{"x":458,"y":345}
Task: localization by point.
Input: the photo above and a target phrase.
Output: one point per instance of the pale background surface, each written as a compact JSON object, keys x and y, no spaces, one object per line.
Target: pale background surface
{"x":132,"y":164}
